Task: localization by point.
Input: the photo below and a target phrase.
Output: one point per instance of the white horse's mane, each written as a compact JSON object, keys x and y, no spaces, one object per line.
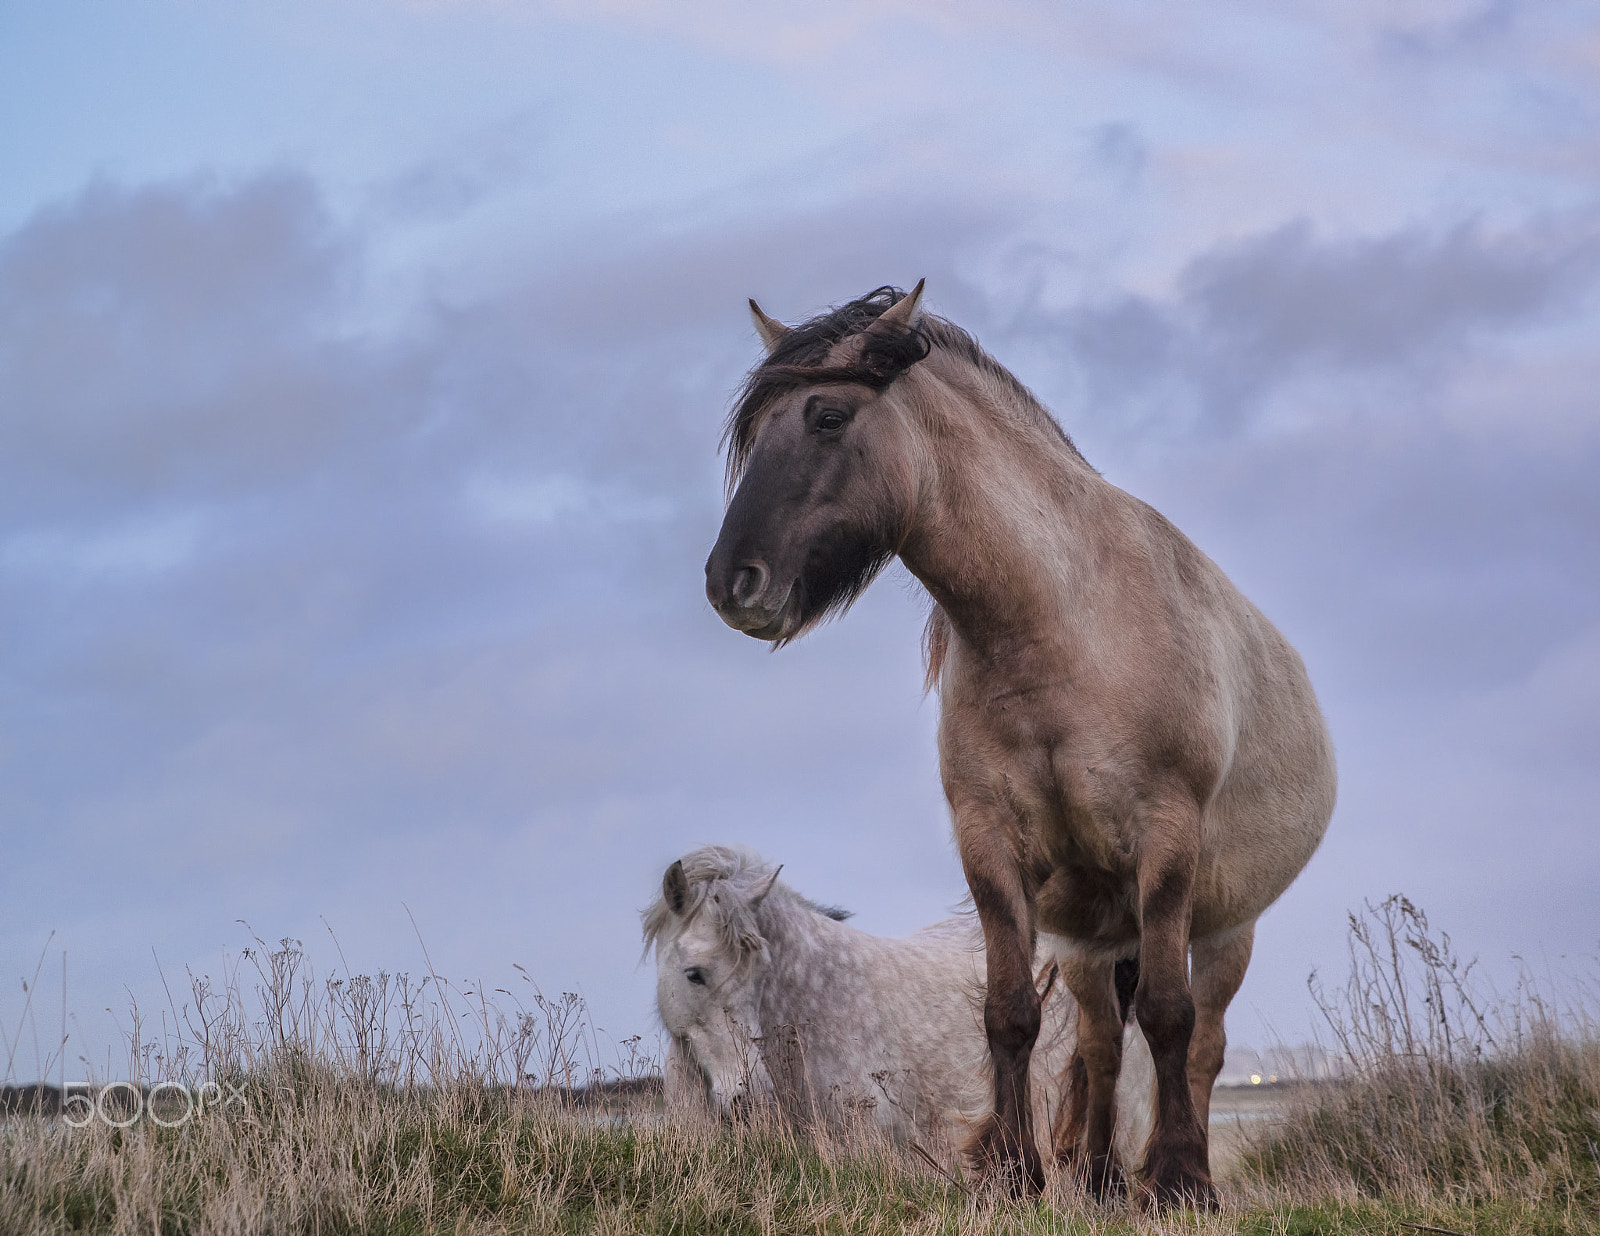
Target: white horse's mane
{"x":739,"y":872}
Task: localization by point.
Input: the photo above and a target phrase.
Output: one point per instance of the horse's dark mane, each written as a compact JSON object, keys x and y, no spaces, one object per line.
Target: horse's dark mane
{"x":798,"y":361}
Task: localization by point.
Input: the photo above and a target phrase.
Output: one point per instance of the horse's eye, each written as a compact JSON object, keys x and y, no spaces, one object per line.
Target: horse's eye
{"x":695,"y":975}
{"x":830,"y":422}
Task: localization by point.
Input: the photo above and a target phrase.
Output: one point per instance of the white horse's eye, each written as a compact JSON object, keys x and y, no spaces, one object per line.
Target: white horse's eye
{"x":695,"y":975}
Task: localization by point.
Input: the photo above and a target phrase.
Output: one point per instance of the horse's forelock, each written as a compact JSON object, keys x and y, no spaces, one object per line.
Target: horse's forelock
{"x":800,"y":359}
{"x":723,"y":881}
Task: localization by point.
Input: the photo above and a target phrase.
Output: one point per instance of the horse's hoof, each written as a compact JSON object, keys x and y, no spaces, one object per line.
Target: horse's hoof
{"x":1020,"y":1176}
{"x":1174,"y":1187}
{"x":1105,"y":1181}
{"x":1025,"y":1179}
{"x":997,"y":1158}
{"x":1101,"y":1177}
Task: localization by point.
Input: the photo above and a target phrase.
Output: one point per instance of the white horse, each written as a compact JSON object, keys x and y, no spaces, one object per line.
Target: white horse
{"x":770,"y":997}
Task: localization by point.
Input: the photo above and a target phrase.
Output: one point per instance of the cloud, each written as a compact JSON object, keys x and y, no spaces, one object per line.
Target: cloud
{"x":1453,"y":29}
{"x":1287,"y":298}
{"x":1252,"y":317}
{"x":167,"y":337}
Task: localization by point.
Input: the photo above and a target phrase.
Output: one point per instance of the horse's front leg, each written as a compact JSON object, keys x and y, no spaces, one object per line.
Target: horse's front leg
{"x":1003,"y":1146}
{"x":1176,"y":1171}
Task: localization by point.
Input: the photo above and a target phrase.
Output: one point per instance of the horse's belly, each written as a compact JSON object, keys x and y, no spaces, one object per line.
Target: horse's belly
{"x":1091,"y":894}
{"x":1090,"y":907}
{"x":1247,"y":863}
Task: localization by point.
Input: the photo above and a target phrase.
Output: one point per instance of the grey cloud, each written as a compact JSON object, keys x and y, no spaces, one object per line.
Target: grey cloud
{"x":479,"y":165}
{"x":1286,"y":298}
{"x":1470,"y":27}
{"x":1120,"y":151}
{"x":1252,"y":317}
{"x":128,"y":319}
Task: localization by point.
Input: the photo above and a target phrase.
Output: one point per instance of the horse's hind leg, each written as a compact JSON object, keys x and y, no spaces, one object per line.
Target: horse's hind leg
{"x":1003,"y":1146}
{"x":1219,"y":963}
{"x":1072,"y":1117}
{"x":1086,"y":1125}
{"x":1175,"y":1168}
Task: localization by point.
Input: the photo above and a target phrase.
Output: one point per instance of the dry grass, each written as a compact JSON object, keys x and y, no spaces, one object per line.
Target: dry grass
{"x":388,"y":1105}
{"x":1444,"y":1096}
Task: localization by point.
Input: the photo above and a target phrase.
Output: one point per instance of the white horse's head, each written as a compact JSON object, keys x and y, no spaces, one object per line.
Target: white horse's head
{"x":711,"y":962}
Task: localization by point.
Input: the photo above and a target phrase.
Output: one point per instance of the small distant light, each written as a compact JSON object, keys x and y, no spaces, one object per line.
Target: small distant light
{"x":1273,"y":1078}
{"x":1255,"y":1079}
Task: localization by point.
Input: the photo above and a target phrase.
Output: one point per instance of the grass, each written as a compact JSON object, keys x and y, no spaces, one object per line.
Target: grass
{"x":383,"y":1105}
{"x":1442,"y":1099}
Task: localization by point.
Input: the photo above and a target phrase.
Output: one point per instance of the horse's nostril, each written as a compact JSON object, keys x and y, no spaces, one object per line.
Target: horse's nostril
{"x":739,"y":1107}
{"x":749,"y":583}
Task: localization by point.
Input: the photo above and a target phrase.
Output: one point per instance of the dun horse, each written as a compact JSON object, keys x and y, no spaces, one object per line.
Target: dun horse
{"x":1133,"y":755}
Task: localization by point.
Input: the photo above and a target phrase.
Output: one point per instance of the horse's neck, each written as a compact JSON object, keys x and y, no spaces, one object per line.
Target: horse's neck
{"x":802,"y":945}
{"x":792,"y":930}
{"x":1009,"y":519}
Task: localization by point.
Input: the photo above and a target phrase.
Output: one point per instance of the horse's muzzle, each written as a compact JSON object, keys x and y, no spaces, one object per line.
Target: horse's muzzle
{"x":742,"y":597}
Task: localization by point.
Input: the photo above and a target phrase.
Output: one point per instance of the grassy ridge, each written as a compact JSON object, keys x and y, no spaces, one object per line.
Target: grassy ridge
{"x":363,"y":1106}
{"x":1526,"y":1125}
{"x":1442,"y":1097}
{"x":316,"y":1154}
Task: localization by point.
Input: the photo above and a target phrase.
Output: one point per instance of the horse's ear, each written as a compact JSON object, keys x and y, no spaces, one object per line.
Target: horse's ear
{"x":762,"y":895}
{"x":772,"y":331}
{"x":675,"y":888}
{"x":905,"y":311}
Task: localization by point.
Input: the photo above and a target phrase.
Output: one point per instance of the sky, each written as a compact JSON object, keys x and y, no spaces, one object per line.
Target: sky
{"x":362,"y":373}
